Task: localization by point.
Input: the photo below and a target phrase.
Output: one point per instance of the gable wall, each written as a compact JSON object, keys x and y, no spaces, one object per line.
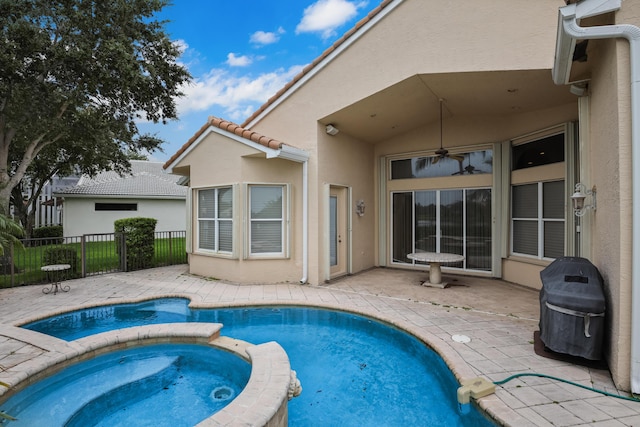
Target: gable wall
{"x":434,"y":37}
{"x":219,"y":161}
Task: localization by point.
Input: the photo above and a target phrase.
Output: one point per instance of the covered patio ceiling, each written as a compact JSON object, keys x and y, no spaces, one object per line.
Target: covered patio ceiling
{"x":413,"y":102}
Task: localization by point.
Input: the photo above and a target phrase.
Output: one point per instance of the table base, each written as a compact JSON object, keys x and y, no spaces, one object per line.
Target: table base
{"x":55,"y":287}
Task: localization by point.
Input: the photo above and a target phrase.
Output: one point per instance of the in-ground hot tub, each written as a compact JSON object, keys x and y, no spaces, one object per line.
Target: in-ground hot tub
{"x":153,"y":375}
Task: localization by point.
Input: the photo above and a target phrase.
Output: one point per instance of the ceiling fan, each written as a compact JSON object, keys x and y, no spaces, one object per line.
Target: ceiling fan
{"x":442,"y":152}
{"x":469,"y":169}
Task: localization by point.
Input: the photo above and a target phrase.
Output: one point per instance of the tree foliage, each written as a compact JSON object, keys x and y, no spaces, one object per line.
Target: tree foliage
{"x":10,"y":232}
{"x":75,"y":76}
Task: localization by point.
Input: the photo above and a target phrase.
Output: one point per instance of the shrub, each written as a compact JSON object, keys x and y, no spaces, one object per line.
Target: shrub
{"x":61,"y":255}
{"x":51,"y":235}
{"x":139,"y":243}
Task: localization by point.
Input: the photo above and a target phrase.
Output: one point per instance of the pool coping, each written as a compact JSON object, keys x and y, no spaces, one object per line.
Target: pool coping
{"x":262,"y":402}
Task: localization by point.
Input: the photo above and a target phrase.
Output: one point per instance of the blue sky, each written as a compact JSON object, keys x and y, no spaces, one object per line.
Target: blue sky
{"x":241,"y":52}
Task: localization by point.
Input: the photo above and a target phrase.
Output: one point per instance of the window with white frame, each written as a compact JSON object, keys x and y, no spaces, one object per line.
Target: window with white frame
{"x":538,"y":197}
{"x":537,"y":217}
{"x":215,"y":219}
{"x":267,"y":220}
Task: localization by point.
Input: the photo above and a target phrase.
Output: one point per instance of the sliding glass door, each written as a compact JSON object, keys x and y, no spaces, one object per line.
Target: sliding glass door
{"x":453,"y":221}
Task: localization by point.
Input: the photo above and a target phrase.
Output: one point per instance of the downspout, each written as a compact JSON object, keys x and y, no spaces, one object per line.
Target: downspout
{"x":305,"y":222}
{"x":300,"y":156}
{"x":569,"y":26}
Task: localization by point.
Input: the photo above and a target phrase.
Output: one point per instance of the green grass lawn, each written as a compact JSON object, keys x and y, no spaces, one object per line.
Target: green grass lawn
{"x":101,"y":257}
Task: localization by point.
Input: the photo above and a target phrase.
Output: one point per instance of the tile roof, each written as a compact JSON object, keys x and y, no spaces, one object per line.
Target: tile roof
{"x":146,"y":180}
{"x":260,"y":139}
{"x":229,"y":127}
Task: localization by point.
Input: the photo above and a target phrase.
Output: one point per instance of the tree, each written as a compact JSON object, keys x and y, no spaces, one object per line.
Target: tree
{"x":75,"y":76}
{"x":65,"y":159}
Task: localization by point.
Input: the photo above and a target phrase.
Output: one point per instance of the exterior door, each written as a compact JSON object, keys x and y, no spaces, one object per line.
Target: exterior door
{"x":338,"y":236}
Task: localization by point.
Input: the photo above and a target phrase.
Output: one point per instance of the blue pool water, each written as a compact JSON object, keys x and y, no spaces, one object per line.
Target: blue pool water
{"x":163,"y":385}
{"x":354,"y":371}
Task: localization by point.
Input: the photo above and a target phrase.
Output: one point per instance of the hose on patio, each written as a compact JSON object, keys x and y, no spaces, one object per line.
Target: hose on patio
{"x":527,"y":374}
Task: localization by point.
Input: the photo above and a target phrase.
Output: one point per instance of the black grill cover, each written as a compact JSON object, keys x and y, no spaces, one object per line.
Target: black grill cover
{"x":572,"y":308}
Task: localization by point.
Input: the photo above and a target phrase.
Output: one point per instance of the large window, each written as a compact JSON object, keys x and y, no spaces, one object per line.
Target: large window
{"x":267,"y":220}
{"x":453,"y":221}
{"x":215,"y":219}
{"x":473,"y":163}
{"x":537,"y":215}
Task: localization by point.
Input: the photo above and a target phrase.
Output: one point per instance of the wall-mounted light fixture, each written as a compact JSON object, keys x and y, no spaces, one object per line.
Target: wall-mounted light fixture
{"x":360,"y":207}
{"x":578,"y":198}
{"x":331,"y":129}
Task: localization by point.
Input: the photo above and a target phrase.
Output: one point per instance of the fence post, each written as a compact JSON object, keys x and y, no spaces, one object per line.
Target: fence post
{"x":123,"y":251}
{"x":83,"y":255}
{"x":170,"y":248}
{"x":11,"y":254}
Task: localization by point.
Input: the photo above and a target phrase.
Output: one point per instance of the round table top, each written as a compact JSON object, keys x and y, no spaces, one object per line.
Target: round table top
{"x":55,"y":267}
{"x":435,"y":257}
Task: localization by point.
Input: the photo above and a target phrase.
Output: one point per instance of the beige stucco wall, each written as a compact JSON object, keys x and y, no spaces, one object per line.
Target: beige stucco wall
{"x":218,"y":160}
{"x":611,"y":172}
{"x":417,"y":37}
{"x":351,"y":166}
{"x":80,"y":216}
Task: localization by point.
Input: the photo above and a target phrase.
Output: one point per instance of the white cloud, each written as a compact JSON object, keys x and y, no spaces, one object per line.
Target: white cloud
{"x":324,"y":16}
{"x":182,"y":45}
{"x":264,"y":38}
{"x":236,"y":95}
{"x":238,"y":61}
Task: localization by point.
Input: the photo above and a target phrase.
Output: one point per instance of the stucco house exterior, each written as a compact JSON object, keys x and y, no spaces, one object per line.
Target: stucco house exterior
{"x":94,"y":203}
{"x":342,"y":170}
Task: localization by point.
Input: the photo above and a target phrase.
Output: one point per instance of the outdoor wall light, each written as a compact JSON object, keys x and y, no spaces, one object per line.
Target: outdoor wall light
{"x":578,"y":198}
{"x":360,"y":207}
{"x":332,"y":130}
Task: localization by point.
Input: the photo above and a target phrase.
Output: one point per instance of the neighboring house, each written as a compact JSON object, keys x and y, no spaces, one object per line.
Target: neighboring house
{"x":49,"y":208}
{"x":93,"y":204}
{"x":340,"y":171}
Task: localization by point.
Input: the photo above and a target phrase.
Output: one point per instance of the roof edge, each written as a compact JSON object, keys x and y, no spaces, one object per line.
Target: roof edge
{"x":350,"y":36}
{"x":227,"y":126}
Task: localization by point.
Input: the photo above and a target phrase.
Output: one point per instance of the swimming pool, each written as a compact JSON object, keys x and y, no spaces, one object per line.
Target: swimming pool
{"x":165,"y":384}
{"x":352,"y":368}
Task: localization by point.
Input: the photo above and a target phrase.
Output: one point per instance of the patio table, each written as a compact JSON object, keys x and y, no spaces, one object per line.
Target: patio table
{"x":54,"y":271}
{"x":435,"y":259}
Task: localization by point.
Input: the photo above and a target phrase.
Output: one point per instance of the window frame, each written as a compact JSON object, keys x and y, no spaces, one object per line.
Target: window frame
{"x":217,"y":220}
{"x":284,"y":220}
{"x":540,"y":221}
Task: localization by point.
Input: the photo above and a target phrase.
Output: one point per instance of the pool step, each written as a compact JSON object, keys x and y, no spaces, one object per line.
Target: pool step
{"x":126,"y":394}
{"x":78,"y":393}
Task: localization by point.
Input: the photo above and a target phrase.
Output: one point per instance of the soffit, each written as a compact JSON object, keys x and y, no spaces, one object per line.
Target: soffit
{"x":414,"y":102}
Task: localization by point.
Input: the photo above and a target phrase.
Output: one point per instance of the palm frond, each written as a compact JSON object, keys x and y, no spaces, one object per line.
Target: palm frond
{"x":10,"y":233}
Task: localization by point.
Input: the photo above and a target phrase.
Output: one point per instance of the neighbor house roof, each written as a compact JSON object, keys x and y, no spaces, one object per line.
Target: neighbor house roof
{"x":146,"y":180}
{"x":229,"y":127}
{"x":255,"y":137}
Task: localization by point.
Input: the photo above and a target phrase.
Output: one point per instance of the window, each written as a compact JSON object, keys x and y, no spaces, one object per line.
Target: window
{"x":541,"y":152}
{"x":537,"y":213}
{"x":215,"y":219}
{"x":476,"y":162}
{"x":116,"y":206}
{"x":454,"y":221}
{"x":267,"y":226}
